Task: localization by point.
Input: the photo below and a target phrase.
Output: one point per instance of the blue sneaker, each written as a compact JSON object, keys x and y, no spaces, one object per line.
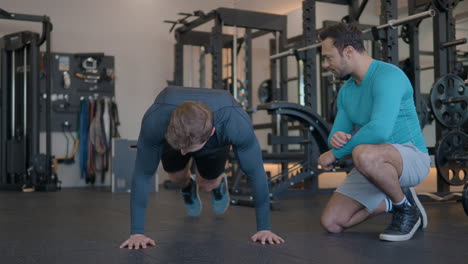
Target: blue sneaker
{"x":192,"y":201}
{"x":220,"y":197}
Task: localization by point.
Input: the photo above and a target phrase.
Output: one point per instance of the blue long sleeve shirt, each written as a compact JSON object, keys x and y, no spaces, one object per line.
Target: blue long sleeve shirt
{"x":233,"y":127}
{"x":381,"y":106}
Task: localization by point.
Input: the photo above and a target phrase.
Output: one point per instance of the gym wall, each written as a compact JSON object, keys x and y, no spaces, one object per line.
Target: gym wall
{"x":131,"y":31}
{"x":134,"y":33}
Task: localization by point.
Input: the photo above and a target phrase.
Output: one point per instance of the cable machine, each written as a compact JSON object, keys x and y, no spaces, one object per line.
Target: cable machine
{"x":22,"y":166}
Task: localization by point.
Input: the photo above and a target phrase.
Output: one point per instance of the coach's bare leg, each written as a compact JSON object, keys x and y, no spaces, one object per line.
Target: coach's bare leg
{"x":342,"y":212}
{"x":382,"y":165}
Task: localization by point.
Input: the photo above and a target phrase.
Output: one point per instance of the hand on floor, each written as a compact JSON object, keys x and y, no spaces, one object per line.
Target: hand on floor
{"x":267,"y":236}
{"x":137,"y":241}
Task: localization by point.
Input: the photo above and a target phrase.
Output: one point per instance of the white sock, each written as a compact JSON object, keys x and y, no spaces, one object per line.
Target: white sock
{"x":404,"y":201}
{"x":389,"y":205}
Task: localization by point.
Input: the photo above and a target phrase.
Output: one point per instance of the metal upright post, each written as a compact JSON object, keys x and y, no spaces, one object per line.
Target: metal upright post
{"x":234,"y":64}
{"x":444,"y":63}
{"x":274,"y":64}
{"x":283,"y":74}
{"x":4,"y":113}
{"x":13,"y":96}
{"x":26,"y":138}
{"x":300,"y":82}
{"x":389,"y":10}
{"x":310,"y":67}
{"x":414,"y":74}
{"x":49,"y":85}
{"x":34,"y":103}
{"x":275,"y":83}
{"x":178,"y":61}
{"x":309,"y":34}
{"x":248,"y":65}
{"x":283,"y":78}
{"x":217,"y":56}
{"x":202,"y":69}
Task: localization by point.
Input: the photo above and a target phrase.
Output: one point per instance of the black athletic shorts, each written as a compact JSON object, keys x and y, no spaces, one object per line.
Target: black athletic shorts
{"x":210,"y":162}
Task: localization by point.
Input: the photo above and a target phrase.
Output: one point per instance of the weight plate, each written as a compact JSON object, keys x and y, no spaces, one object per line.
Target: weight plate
{"x":445,"y":5}
{"x":404,"y":35}
{"x":40,"y":163}
{"x":424,"y":112}
{"x":451,"y":158}
{"x":241,"y":91}
{"x":449,"y":100}
{"x":265,"y":92}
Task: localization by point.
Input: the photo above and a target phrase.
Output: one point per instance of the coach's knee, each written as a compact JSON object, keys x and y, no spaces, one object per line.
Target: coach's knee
{"x":331,"y":224}
{"x":364,"y":158}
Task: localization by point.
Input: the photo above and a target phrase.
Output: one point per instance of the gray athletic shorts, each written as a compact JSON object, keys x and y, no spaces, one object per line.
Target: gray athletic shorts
{"x":416,"y":166}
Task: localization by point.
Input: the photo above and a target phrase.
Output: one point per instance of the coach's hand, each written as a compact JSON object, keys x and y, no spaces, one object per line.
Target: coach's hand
{"x":327,"y":160}
{"x":339,"y":139}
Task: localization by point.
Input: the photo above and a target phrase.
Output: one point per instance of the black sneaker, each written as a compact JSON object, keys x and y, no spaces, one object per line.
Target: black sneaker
{"x":405,"y":222}
{"x":192,"y":200}
{"x":412,"y":197}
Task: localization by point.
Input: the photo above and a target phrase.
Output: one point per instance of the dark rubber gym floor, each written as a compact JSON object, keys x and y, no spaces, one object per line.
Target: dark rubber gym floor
{"x":88,"y":225}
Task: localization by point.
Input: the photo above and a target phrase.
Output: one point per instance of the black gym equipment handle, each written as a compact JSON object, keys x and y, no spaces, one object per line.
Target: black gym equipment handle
{"x":46,"y":24}
{"x":24,"y":17}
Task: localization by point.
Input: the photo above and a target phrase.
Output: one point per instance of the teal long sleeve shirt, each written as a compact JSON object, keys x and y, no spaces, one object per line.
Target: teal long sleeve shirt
{"x":381,"y":106}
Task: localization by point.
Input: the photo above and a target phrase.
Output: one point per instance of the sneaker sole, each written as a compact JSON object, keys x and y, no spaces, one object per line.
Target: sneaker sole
{"x":423,"y":214}
{"x":395,"y":238}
